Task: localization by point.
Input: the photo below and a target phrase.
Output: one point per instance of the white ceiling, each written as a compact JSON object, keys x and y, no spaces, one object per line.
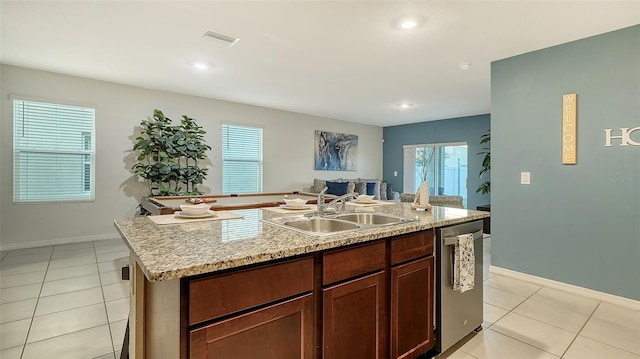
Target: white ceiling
{"x":341,"y":59}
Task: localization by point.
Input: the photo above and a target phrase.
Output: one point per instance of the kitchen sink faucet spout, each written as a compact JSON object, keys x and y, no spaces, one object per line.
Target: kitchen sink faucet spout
{"x":322,"y":206}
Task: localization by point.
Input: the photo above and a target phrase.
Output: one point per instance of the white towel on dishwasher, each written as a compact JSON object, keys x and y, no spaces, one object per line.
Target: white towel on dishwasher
{"x":464,"y":263}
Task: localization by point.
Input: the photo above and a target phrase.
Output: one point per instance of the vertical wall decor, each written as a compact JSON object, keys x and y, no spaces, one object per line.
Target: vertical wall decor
{"x":569,"y":145}
{"x":335,"y":151}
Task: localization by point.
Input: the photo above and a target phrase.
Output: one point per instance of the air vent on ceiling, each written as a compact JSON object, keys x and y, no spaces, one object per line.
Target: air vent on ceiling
{"x":228,"y":39}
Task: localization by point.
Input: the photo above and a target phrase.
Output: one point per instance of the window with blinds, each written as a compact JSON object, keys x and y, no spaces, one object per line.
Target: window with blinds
{"x":53,"y":152}
{"x":241,"y":159}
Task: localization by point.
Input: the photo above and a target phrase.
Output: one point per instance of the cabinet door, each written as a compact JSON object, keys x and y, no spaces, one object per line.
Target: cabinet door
{"x":280,"y":331}
{"x":354,"y":319}
{"x":412,"y":308}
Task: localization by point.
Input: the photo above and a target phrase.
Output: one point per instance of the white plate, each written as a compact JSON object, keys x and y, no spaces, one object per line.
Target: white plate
{"x":182,"y":214}
{"x":286,"y":206}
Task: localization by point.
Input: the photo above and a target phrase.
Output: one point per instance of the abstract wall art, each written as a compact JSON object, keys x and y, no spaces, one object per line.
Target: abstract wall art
{"x":335,"y":151}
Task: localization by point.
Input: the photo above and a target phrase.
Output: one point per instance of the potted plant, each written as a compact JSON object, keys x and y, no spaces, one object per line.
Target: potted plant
{"x":485,"y":187}
{"x":168,"y":155}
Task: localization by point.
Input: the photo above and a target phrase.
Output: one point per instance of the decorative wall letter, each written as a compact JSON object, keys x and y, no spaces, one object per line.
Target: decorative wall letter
{"x":569,"y":140}
{"x":625,"y":137}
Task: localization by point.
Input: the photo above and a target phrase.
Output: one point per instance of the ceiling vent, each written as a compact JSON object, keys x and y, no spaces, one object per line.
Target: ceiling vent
{"x":228,"y":39}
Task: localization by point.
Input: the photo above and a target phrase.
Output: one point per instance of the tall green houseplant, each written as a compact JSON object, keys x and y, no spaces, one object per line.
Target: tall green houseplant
{"x":169,"y":155}
{"x":485,"y":187}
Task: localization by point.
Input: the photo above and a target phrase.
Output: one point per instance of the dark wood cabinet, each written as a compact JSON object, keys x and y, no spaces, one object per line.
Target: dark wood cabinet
{"x":372,"y":301}
{"x":212,"y":297}
{"x":354,"y":302}
{"x":263,"y":312}
{"x":412,"y":294}
{"x":354,"y":319}
{"x":281,"y":331}
{"x":412,"y":308}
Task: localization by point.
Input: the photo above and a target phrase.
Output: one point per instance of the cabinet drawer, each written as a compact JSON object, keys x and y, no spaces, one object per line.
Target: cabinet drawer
{"x":411,"y":246}
{"x":215,"y":296}
{"x":352,"y":262}
{"x":284,"y":331}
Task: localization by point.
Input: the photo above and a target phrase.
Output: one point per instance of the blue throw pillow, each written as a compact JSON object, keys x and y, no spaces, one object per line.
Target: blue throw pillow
{"x":337,"y":188}
{"x":371,"y":188}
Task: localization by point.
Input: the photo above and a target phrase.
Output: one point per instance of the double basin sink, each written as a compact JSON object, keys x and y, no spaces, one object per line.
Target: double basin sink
{"x":339,"y":222}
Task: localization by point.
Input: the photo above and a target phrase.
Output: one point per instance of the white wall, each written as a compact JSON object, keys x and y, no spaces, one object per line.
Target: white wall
{"x":288,"y":152}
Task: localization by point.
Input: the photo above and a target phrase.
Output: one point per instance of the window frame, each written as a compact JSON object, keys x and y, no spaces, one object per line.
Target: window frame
{"x":87,"y":156}
{"x":259,"y":161}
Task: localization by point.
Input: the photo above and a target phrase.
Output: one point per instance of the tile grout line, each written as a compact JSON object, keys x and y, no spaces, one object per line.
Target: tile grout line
{"x":581,"y":328}
{"x":104,"y":301}
{"x":33,"y":314}
{"x":596,"y":340}
{"x":38,"y":300}
{"x":533,"y":346}
{"x":540,"y":321}
{"x":47,"y":270}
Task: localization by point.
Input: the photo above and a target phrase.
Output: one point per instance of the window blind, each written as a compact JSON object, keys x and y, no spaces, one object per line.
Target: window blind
{"x":241,"y":159}
{"x":53,"y":152}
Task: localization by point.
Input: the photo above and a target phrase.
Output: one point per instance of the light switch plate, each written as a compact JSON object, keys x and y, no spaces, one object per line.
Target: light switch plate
{"x":525,"y":177}
{"x":395,"y":173}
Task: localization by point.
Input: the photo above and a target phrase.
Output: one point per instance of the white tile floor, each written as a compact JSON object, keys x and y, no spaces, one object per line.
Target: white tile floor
{"x":68,"y":301}
{"x":524,"y":320}
{"x":65,"y":301}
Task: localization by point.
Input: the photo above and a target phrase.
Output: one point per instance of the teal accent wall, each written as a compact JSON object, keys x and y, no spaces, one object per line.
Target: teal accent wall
{"x":578,"y":224}
{"x":462,"y":129}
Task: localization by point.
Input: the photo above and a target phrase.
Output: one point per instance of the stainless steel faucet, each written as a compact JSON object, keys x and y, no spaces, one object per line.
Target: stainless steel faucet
{"x":323,"y":206}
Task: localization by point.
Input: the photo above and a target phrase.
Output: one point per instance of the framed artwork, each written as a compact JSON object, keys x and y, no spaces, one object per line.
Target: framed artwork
{"x":335,"y":151}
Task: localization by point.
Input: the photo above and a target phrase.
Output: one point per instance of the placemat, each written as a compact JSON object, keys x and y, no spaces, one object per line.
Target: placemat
{"x":172,"y":219}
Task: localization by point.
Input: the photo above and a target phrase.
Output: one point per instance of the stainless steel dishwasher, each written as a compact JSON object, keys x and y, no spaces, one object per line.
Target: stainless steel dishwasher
{"x":457,"y":314}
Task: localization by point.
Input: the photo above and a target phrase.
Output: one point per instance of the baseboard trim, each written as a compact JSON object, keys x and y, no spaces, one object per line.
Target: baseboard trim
{"x":605,"y":297}
{"x":58,"y":241}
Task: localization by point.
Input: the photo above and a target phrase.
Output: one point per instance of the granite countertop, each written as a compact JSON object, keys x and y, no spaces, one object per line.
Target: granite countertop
{"x":172,"y":251}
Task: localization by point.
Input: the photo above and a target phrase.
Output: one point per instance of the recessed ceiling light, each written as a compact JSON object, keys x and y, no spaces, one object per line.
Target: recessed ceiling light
{"x":404,"y":105}
{"x":408,"y":24}
{"x":465,"y":66}
{"x":409,"y":21}
{"x":200,"y":66}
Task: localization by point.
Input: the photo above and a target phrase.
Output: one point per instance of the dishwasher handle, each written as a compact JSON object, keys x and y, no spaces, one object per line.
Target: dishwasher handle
{"x":449,"y":241}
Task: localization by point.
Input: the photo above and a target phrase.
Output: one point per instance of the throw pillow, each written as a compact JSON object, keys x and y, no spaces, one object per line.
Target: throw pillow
{"x":377,"y":187}
{"x":371,"y":189}
{"x":361,"y":188}
{"x":318,"y":185}
{"x":351,"y":182}
{"x":383,"y":191}
{"x":337,"y":188}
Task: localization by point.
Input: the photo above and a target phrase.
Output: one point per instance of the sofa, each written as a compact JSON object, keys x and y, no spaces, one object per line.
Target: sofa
{"x":376,"y":187}
{"x":444,"y":201}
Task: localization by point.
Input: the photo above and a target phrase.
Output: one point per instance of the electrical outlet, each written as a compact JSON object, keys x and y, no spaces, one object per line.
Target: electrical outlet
{"x":525,"y":177}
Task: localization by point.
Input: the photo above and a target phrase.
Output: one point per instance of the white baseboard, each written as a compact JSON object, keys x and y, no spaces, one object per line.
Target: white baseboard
{"x":586,"y":292}
{"x":58,"y":241}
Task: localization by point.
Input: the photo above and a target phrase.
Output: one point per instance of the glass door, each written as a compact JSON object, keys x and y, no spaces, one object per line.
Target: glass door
{"x":443,"y":165}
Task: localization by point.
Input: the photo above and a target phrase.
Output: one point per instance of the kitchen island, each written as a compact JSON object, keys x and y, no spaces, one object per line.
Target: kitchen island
{"x":214,"y":286}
